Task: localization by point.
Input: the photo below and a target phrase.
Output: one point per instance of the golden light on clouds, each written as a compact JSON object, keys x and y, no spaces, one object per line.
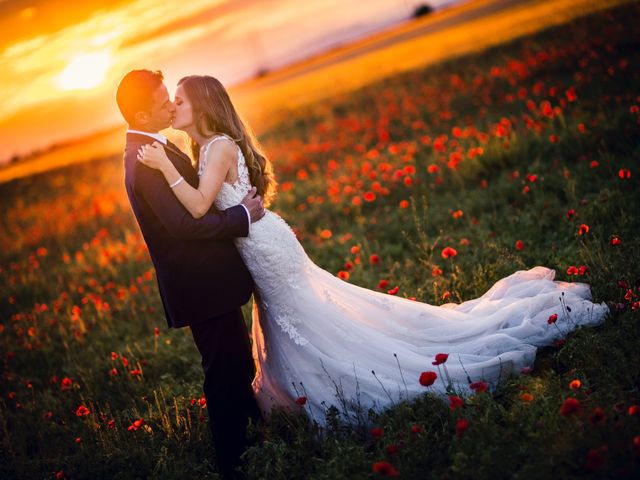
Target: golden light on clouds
{"x":90,"y":55}
{"x":85,"y":71}
{"x":27,"y":13}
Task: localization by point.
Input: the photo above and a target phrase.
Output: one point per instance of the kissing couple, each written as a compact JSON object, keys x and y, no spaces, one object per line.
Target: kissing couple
{"x":318,"y":342}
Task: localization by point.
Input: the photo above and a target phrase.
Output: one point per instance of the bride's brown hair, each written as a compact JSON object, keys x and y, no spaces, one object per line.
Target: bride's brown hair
{"x":213,"y":113}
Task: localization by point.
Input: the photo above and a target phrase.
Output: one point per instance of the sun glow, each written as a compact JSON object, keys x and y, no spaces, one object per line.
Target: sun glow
{"x":84,"y":71}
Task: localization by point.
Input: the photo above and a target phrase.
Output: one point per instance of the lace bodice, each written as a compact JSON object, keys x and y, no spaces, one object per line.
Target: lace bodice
{"x":271,"y":252}
{"x":230,"y":194}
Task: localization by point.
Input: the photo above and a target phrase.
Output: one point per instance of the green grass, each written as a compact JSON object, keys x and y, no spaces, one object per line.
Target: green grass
{"x":77,"y":284}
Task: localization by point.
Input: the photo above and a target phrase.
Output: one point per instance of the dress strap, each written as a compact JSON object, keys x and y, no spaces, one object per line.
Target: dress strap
{"x":205,"y":148}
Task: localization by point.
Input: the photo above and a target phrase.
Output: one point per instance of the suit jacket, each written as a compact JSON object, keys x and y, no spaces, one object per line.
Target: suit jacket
{"x":199,"y":271}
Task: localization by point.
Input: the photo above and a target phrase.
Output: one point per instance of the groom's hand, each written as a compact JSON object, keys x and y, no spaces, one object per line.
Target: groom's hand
{"x":253,"y":202}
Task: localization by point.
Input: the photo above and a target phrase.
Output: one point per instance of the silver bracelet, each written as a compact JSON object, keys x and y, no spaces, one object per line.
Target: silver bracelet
{"x":177,"y":182}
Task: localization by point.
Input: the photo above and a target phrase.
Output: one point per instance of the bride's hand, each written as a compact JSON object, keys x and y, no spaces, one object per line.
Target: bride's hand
{"x":153,"y":156}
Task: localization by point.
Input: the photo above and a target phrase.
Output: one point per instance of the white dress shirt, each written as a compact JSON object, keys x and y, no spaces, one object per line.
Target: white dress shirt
{"x":162,"y":139}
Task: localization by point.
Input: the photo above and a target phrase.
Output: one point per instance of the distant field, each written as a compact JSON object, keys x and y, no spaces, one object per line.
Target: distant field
{"x":455,"y":31}
{"x":524,"y":154}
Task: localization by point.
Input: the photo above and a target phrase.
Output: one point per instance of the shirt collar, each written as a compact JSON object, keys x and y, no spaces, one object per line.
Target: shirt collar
{"x":158,"y":136}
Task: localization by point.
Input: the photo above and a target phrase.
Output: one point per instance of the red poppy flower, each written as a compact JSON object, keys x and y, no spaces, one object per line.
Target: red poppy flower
{"x":427,"y":378}
{"x":571,"y":405}
{"x":615,"y":241}
{"x":479,"y":387}
{"x":82,"y":411}
{"x":301,"y":400}
{"x":436,"y":271}
{"x":375,"y":259}
{"x":66,"y":383}
{"x":575,"y":384}
{"x":552,"y":318}
{"x":135,"y":425}
{"x":457,"y":214}
{"x":461,"y":426}
{"x":202,"y":402}
{"x":344,"y":275}
{"x":624,"y":173}
{"x":433,"y":168}
{"x":369,"y":196}
{"x":449,"y":252}
{"x":393,"y":291}
{"x":382,"y":284}
{"x":404,"y":204}
{"x":377,"y":432}
{"x":392,"y":449}
{"x":415,"y":429}
{"x":526,"y":397}
{"x":440,"y":358}
{"x":519,"y":245}
{"x":583,"y":229}
{"x":386,"y":469}
{"x":633,"y":410}
{"x":455,"y":402}
{"x":572,"y":270}
{"x":571,"y":213}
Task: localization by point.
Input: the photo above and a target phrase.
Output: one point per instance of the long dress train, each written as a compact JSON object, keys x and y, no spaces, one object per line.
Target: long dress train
{"x":317,"y":336}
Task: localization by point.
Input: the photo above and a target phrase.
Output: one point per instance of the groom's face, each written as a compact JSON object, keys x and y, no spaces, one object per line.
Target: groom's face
{"x":162,"y":110}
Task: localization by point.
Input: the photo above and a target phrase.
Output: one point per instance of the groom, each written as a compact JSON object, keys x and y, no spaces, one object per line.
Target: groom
{"x":201,"y":277}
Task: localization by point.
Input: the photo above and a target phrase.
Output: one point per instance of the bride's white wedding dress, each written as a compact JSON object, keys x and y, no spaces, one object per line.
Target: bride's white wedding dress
{"x":315,"y":335}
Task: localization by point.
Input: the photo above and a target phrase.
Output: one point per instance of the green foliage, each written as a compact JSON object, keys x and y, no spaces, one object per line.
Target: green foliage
{"x":79,"y":300}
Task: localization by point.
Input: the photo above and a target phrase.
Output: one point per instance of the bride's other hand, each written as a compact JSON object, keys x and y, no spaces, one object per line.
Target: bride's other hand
{"x":153,"y":156}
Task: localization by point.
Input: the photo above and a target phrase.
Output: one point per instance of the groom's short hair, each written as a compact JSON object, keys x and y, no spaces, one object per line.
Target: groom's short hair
{"x":135,"y":92}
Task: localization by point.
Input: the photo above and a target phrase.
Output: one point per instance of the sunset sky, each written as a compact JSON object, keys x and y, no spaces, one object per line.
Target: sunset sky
{"x":61,"y":63}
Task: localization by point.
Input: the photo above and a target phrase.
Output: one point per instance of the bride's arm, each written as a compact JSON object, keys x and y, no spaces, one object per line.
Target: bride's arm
{"x":197,"y":201}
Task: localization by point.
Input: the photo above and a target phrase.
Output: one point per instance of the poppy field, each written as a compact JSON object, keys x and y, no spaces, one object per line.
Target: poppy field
{"x":431,"y":185}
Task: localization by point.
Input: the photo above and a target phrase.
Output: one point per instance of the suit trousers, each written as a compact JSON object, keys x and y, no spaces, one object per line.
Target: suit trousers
{"x":223,"y":343}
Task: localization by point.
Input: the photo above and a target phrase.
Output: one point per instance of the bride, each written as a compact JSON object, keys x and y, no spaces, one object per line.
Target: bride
{"x":319,"y":341}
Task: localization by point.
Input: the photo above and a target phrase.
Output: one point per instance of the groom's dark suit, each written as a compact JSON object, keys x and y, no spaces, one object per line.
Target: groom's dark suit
{"x":202,"y":282}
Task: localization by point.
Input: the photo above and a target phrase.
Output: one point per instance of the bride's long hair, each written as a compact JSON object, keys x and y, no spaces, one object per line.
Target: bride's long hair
{"x":214,"y":113}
